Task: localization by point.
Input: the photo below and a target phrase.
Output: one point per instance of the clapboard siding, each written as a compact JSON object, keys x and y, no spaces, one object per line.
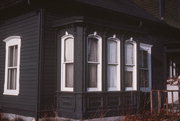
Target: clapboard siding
{"x":26,"y":26}
{"x":49,"y":78}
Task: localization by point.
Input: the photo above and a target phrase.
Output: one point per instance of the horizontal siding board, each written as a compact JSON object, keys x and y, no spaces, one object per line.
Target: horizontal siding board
{"x":26,"y":26}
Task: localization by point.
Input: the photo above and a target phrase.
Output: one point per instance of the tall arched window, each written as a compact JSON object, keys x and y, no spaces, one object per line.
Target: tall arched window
{"x":12,"y":65}
{"x":67,"y":62}
{"x":94,"y":60}
{"x":113,"y":64}
{"x":130,"y":65}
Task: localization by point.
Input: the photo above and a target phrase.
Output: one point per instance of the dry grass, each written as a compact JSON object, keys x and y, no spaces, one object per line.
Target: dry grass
{"x":153,"y":117}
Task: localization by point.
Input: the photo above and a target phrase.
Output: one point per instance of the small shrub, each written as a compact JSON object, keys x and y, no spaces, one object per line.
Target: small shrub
{"x":3,"y":118}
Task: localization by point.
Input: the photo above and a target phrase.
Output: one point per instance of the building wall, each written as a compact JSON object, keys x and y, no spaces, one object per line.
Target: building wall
{"x":27,"y":27}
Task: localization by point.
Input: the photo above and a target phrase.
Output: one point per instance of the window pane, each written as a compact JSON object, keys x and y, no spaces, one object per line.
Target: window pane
{"x":112,"y":76}
{"x":69,"y":75}
{"x":143,"y":78}
{"x":145,"y":60}
{"x":11,"y":83}
{"x":92,"y":75}
{"x":68,"y":49}
{"x":93,"y":49}
{"x":143,"y":57}
{"x":112,"y":52}
{"x":12,"y":56}
{"x":129,"y":53}
{"x":128,"y":78}
{"x":15,"y":55}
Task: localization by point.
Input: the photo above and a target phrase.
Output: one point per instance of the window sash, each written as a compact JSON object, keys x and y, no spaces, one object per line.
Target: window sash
{"x":130,"y":65}
{"x":67,"y":62}
{"x":12,"y":79}
{"x":92,"y":75}
{"x":145,"y":67}
{"x":112,"y":76}
{"x":69,"y":75}
{"x":144,"y":80}
{"x":93,"y":50}
{"x":129,"y":53}
{"x":94,"y":57}
{"x":113,"y":64}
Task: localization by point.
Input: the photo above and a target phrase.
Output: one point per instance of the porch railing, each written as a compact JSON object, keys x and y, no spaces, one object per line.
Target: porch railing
{"x":165,"y":100}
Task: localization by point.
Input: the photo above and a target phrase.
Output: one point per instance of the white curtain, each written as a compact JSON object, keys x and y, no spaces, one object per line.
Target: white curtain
{"x":68,"y":51}
{"x":112,"y":52}
{"x":112,"y":64}
{"x":12,"y":74}
{"x":112,"y":76}
{"x":128,"y":78}
{"x":93,"y":49}
{"x":129,"y":54}
{"x":92,"y":75}
{"x":69,"y":75}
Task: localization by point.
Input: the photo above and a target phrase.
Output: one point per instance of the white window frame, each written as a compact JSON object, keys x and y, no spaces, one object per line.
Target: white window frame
{"x":12,"y":41}
{"x":99,"y":66}
{"x":63,"y":64}
{"x":118,"y":88}
{"x":132,"y":67}
{"x":147,"y":47}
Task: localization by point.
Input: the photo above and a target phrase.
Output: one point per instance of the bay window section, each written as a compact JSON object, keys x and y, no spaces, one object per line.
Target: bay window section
{"x":130,"y":65}
{"x":67,"y":62}
{"x":94,"y":58}
{"x":113,"y":64}
{"x":12,"y":65}
{"x":145,"y":67}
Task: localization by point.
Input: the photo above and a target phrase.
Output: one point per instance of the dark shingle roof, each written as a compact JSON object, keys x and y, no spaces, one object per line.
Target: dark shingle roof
{"x":172,"y":10}
{"x":8,"y":3}
{"x":122,"y":6}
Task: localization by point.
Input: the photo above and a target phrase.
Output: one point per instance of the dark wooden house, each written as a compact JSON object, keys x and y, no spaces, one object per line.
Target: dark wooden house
{"x":81,"y":58}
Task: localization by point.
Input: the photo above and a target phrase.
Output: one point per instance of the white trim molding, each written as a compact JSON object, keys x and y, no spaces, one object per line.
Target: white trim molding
{"x":117,"y":64}
{"x":132,"y":67}
{"x":99,"y":63}
{"x":63,"y":63}
{"x":12,"y":41}
{"x":147,"y":47}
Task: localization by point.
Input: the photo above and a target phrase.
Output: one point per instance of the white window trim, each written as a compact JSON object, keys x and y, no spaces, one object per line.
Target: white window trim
{"x":118,"y":88}
{"x":11,"y":41}
{"x":147,"y":47}
{"x":99,"y":68}
{"x":63,"y":67}
{"x":134,"y":70}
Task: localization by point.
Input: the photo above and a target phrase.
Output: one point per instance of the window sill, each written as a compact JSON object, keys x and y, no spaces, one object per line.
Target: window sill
{"x":93,"y":90}
{"x":130,"y":89}
{"x":11,"y":92}
{"x":67,"y":89}
{"x":145,"y":89}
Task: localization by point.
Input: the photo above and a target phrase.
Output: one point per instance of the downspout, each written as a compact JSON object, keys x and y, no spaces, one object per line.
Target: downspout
{"x":40,"y":60}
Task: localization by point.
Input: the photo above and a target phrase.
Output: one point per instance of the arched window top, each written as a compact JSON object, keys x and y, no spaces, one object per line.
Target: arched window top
{"x":130,"y":41}
{"x":94,"y":35}
{"x":66,"y":36}
{"x":113,"y":38}
{"x":12,"y":38}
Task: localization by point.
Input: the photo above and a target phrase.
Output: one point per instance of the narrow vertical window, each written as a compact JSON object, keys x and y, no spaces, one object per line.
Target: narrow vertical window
{"x":12,"y":65}
{"x":130,"y":65}
{"x":145,"y":67}
{"x":113,"y":64}
{"x":67,"y":62}
{"x":94,"y":58}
